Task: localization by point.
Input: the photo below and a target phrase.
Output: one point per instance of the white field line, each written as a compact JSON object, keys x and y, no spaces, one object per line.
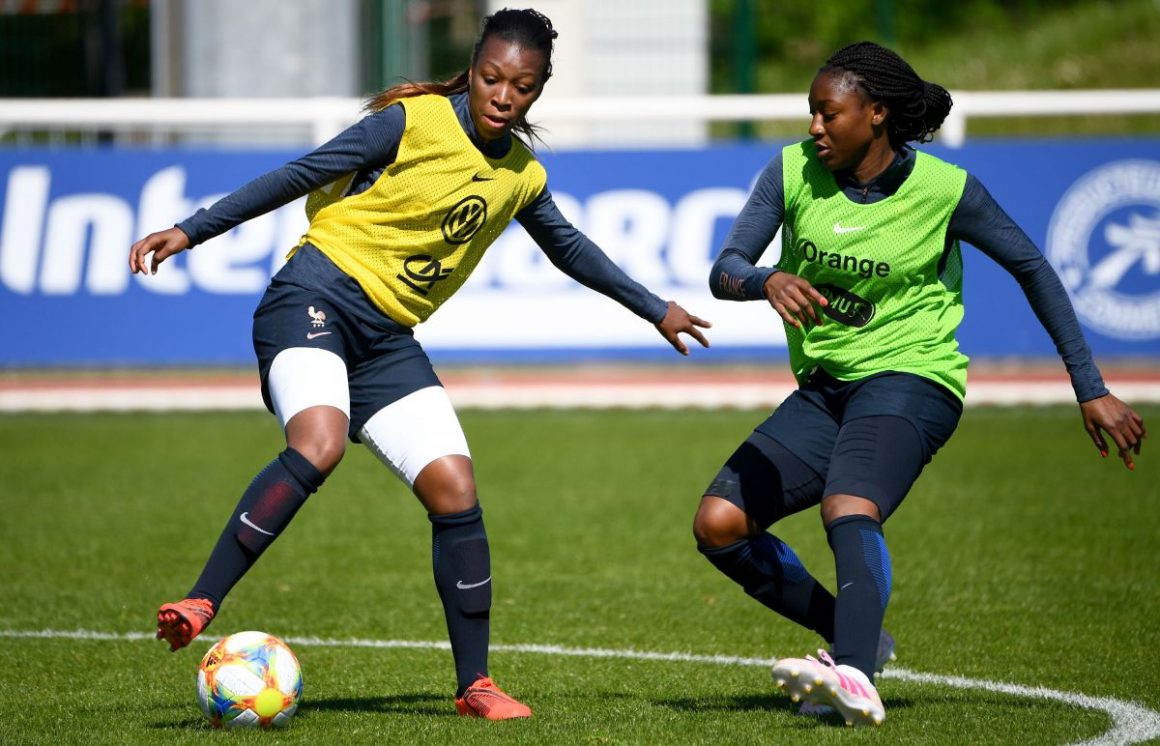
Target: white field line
{"x":1131,"y":723}
{"x":527,"y":395}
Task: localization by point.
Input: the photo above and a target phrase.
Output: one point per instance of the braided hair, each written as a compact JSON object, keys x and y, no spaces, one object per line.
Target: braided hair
{"x":917,"y":107}
{"x":526,"y":28}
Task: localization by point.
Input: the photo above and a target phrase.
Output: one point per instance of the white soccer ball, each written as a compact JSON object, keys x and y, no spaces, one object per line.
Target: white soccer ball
{"x":249,"y":680}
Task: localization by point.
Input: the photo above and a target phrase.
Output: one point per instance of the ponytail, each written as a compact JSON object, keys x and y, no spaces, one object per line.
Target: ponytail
{"x":383,"y":99}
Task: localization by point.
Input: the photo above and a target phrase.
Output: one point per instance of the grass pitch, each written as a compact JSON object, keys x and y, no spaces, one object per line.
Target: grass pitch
{"x":1020,"y":557}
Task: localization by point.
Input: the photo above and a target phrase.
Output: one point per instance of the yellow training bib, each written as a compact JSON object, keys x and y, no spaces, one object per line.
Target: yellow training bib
{"x":412,"y":239}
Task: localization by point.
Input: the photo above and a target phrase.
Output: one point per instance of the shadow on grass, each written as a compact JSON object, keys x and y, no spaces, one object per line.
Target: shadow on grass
{"x":183,"y":724}
{"x":765,"y":703}
{"x":741,"y":703}
{"x":406,"y":704}
{"x":402,"y":704}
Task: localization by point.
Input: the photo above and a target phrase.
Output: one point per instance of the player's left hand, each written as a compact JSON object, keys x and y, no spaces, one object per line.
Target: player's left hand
{"x":679,"y":320}
{"x":1109,"y":414}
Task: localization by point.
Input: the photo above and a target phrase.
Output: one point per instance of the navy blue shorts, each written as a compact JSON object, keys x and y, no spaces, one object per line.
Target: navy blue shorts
{"x":312,"y":303}
{"x":870,"y":438}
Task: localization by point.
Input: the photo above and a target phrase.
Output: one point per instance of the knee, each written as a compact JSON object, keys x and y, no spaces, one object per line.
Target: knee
{"x":447,"y":485}
{"x":840,"y":506}
{"x":319,"y":434}
{"x":719,"y":522}
{"x":454,"y":495}
{"x":323,"y":448}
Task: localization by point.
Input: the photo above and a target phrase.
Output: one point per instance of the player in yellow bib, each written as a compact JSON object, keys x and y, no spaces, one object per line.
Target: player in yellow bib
{"x":413,"y":237}
{"x":402,"y":206}
{"x":869,"y":287}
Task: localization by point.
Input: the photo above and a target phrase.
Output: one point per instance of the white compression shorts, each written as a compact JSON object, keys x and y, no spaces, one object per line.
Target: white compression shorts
{"x":302,"y":377}
{"x":410,"y":433}
{"x":406,"y":435}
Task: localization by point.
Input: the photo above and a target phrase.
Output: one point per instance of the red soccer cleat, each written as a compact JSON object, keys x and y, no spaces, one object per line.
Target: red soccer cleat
{"x":484,"y":699}
{"x":180,"y":622}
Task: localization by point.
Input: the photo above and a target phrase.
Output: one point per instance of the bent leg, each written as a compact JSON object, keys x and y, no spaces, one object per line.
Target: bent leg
{"x":760,"y":483}
{"x":263,"y":512}
{"x":308,"y":388}
{"x":460,"y":561}
{"x":420,"y":439}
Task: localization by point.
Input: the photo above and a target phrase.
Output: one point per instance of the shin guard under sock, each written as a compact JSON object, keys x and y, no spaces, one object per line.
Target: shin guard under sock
{"x":769,"y":571}
{"x":863,"y":575}
{"x":461,"y":561}
{"x":262,"y":514}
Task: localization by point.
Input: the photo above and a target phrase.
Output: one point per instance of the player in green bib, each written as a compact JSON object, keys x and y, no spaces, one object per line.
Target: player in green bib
{"x":869,"y":287}
{"x":883,"y":270}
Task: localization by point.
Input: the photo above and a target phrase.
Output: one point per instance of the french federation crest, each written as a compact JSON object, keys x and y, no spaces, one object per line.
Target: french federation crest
{"x":1104,"y":241}
{"x":464,"y":220}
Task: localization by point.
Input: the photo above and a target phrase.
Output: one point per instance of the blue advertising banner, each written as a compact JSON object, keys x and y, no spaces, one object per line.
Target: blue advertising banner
{"x":68,"y":217}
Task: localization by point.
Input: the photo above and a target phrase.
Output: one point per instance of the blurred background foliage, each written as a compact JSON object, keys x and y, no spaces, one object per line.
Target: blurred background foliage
{"x":971,"y":44}
{"x":776,"y":47}
{"x":102,"y":48}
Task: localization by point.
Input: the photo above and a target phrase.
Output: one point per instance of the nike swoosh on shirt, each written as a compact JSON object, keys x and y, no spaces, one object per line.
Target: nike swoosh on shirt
{"x":466,"y":586}
{"x":479,"y":177}
{"x":312,"y":335}
{"x":253,"y":525}
{"x":839,"y":228}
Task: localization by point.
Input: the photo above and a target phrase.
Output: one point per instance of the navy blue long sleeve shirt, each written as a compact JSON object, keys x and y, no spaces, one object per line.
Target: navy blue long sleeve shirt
{"x":370,"y":146}
{"x":978,"y":220}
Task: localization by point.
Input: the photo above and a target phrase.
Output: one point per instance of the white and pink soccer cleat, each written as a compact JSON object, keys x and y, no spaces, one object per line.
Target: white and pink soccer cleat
{"x":820,"y":682}
{"x":884,"y":656}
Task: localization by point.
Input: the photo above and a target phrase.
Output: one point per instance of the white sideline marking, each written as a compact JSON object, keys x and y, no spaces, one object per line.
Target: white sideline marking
{"x":1131,"y":723}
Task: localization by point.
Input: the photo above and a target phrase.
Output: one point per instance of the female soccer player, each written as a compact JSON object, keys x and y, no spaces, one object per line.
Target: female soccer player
{"x":402,"y":206}
{"x":869,"y":289}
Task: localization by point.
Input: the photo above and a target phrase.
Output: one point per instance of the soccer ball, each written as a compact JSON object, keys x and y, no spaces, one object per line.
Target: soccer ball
{"x":249,"y":680}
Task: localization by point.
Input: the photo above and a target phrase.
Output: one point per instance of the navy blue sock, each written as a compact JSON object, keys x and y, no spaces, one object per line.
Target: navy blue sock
{"x":769,"y":571}
{"x":863,"y":573}
{"x":461,"y":561}
{"x":262,"y":514}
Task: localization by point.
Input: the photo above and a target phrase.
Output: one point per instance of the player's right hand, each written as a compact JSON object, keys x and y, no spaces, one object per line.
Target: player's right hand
{"x":162,"y":244}
{"x":795,"y":300}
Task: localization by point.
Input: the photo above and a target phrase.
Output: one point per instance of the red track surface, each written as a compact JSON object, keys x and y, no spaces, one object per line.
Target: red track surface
{"x":678,"y":385}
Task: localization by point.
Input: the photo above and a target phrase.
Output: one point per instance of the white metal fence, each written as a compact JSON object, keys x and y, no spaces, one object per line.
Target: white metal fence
{"x":314,"y":120}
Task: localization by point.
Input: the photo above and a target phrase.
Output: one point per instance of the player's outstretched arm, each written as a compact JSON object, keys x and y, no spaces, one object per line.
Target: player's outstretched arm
{"x":678,"y":320}
{"x":163,"y":244}
{"x":1107,"y":414}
